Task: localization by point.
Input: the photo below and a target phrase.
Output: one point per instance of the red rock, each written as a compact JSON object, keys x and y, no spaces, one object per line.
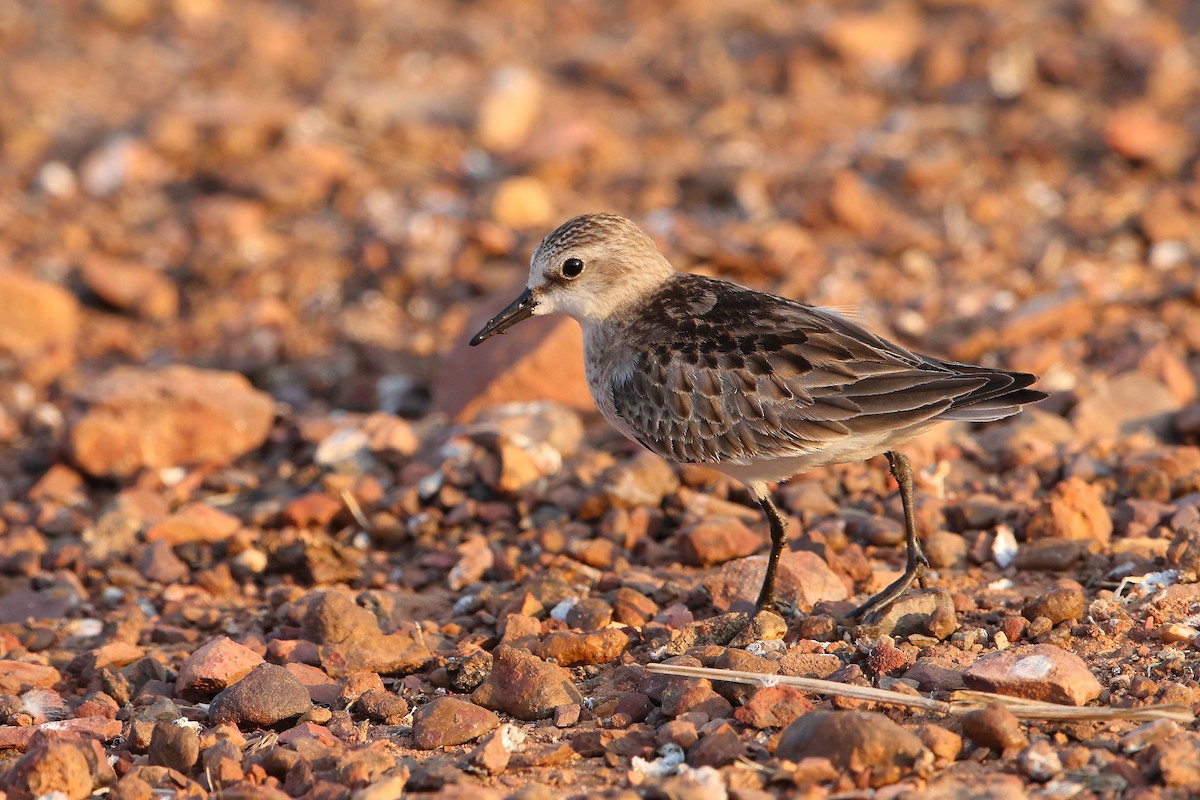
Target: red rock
{"x":524,"y":686}
{"x":522,"y":202}
{"x":174,"y":746}
{"x":322,"y":689}
{"x":39,"y":323}
{"x":215,"y":666}
{"x":803,"y":576}
{"x":1139,"y":133}
{"x":644,"y":480}
{"x":994,"y":727}
{"x":353,"y":685}
{"x":1126,"y":403}
{"x":101,"y":728}
{"x":382,"y":706}
{"x":859,"y":742}
{"x":685,"y":695}
{"x":130,"y":286}
{"x":934,"y":674}
{"x":20,"y":676}
{"x":571,"y":649}
{"x":540,"y":359}
{"x":1057,"y":605}
{"x":149,"y":418}
{"x":509,"y":109}
{"x":267,"y":696}
{"x":773,"y":707}
{"x":715,"y":540}
{"x":1037,"y":672}
{"x":308,"y":730}
{"x":929,"y":612}
{"x":888,"y":38}
{"x":195,"y":522}
{"x":1073,"y":511}
{"x":449,"y":721}
{"x":159,"y":563}
{"x":944,"y":744}
{"x":63,"y":768}
{"x":718,"y":748}
{"x":493,"y":753}
{"x":314,"y":509}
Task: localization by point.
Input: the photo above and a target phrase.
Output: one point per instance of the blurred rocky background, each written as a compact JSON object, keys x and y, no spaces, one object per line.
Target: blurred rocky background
{"x":243,"y":444}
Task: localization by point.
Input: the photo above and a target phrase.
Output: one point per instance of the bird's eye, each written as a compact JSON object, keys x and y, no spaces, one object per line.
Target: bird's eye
{"x":572,"y":267}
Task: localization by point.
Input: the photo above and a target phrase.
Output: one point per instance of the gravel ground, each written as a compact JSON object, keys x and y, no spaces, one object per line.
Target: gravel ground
{"x":268,"y":528}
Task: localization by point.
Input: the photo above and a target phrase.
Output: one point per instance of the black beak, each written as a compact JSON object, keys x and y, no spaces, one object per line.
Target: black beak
{"x":514,"y":312}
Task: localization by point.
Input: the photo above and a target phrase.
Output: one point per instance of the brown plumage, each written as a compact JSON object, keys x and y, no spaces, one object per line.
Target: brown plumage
{"x":760,"y":387}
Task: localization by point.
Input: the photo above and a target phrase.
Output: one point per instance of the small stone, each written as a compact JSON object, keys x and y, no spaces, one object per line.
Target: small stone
{"x":17,"y":677}
{"x":467,"y":673}
{"x":1177,"y":761}
{"x":213,"y":667}
{"x":382,"y":706}
{"x":945,"y":550}
{"x":524,"y":686}
{"x":994,"y":727}
{"x":715,"y":540}
{"x":159,"y":563}
{"x":1057,"y":605}
{"x":131,"y":286}
{"x":1050,"y":554}
{"x":803,"y":578}
{"x":137,"y":418}
{"x":718,"y":748}
{"x":773,"y":707}
{"x":934,"y":674}
{"x":1036,"y":672}
{"x":509,"y":108}
{"x":687,"y":695}
{"x":644,"y":480}
{"x":590,"y":614}
{"x":449,"y":721}
{"x":174,"y":746}
{"x":679,"y":732}
{"x":1073,"y":511}
{"x":539,"y":360}
{"x":1175,"y":632}
{"x":567,"y":715}
{"x":269,"y":695}
{"x":195,"y":522}
{"x":632,"y":608}
{"x":571,"y":649}
{"x":854,"y":742}
{"x":522,"y":202}
{"x":493,"y":752}
{"x":55,"y":769}
{"x":1040,"y":761}
{"x":321,"y":688}
{"x":944,"y":744}
{"x":763,"y":626}
{"x":926,"y":612}
{"x":39,"y":324}
{"x":1147,"y":734}
{"x":1126,"y":403}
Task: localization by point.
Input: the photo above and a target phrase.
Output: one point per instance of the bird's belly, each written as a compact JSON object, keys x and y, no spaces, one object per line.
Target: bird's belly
{"x":852,"y":448}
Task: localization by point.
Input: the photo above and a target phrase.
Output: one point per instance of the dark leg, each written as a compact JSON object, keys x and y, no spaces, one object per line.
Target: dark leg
{"x":766,"y":597}
{"x":902,"y":471}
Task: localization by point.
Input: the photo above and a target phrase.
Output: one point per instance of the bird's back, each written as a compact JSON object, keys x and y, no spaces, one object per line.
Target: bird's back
{"x":704,"y":371}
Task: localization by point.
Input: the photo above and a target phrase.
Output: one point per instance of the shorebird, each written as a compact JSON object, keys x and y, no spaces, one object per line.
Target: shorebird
{"x":759,"y":387}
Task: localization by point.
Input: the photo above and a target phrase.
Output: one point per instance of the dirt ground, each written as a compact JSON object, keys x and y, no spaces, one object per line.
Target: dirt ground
{"x":269,"y":528}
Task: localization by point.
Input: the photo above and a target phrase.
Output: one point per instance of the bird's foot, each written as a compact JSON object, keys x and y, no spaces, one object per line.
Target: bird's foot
{"x":880,"y":602}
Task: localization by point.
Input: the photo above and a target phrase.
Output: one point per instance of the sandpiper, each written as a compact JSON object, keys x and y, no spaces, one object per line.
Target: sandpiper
{"x":759,"y":387}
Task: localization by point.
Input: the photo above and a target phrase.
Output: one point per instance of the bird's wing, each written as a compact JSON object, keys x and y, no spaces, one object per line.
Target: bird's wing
{"x":711,"y":372}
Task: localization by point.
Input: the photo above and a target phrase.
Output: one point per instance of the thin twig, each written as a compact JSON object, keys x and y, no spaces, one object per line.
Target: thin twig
{"x":962,"y":702}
